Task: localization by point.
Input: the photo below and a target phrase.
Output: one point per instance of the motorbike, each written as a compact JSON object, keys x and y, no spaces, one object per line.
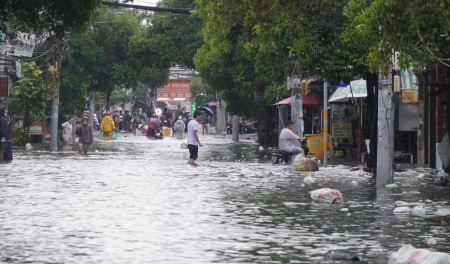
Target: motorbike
{"x":245,"y":127}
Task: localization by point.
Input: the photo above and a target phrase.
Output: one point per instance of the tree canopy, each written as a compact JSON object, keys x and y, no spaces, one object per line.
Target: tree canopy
{"x":418,"y":31}
{"x":55,"y":16}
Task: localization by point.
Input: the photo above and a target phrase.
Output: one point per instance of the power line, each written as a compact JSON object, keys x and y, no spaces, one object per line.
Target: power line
{"x":182,"y":11}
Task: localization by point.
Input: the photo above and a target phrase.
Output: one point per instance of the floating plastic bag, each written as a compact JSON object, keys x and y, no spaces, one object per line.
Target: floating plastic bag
{"x":327,"y":196}
{"x":309,"y":180}
{"x":443,"y":148}
{"x":299,"y":158}
{"x":410,"y":255}
{"x":402,"y":210}
{"x":392,"y":186}
{"x":441,"y":173}
{"x":418,"y":211}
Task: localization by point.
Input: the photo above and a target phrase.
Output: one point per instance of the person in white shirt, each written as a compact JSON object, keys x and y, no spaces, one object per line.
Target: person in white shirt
{"x":67,"y":131}
{"x":193,"y":141}
{"x":288,"y":138}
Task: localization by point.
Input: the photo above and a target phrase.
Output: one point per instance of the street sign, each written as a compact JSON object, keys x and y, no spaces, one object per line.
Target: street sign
{"x":193,"y":107}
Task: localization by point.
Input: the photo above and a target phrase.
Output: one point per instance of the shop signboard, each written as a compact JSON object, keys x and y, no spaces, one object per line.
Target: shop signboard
{"x":175,"y":89}
{"x":341,"y":128}
{"x":410,"y":96}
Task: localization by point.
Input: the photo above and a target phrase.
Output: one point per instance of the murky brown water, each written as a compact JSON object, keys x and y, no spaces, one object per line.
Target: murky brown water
{"x":137,"y":201}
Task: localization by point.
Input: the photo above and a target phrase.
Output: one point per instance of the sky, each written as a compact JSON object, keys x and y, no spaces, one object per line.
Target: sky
{"x":146,"y":2}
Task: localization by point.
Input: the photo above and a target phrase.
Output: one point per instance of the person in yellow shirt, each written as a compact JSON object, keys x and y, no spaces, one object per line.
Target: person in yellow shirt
{"x":107,"y":126}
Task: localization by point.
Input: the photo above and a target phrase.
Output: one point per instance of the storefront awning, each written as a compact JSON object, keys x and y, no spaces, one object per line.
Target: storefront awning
{"x":356,"y":89}
{"x":311,"y":98}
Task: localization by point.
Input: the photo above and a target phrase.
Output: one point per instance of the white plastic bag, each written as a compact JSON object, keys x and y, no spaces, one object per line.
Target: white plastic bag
{"x":297,"y":159}
{"x":410,"y":255}
{"x":402,"y":210}
{"x":327,"y":195}
{"x":443,"y":148}
{"x":309,"y":180}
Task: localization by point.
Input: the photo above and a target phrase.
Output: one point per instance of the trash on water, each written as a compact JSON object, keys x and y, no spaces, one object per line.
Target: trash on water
{"x":391,"y":186}
{"x":402,"y":210}
{"x":344,"y":209}
{"x":260,"y":148}
{"x":309,"y":180}
{"x":403,"y":204}
{"x":441,"y":181}
{"x":421,"y":176}
{"x":184,"y":146}
{"x":28,"y":146}
{"x":96,"y":150}
{"x":431,"y":241}
{"x":327,"y":196}
{"x":340,"y":255}
{"x":442,"y":173}
{"x":411,"y":255}
{"x":354,"y":183}
{"x":418,"y":211}
{"x":360,"y":172}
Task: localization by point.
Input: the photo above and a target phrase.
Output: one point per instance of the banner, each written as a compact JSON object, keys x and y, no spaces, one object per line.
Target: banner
{"x":175,"y":89}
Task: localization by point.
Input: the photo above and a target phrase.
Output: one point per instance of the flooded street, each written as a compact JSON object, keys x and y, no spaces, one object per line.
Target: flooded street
{"x":134,"y":200}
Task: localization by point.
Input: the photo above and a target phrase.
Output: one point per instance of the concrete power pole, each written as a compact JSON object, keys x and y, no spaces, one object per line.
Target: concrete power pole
{"x":385,"y":146}
{"x":297,"y":105}
{"x":325,"y":122}
{"x":54,"y":113}
{"x":91,"y":108}
{"x":236,"y":129}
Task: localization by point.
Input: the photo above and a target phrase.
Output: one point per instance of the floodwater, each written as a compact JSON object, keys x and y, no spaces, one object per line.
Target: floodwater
{"x":134,"y":200}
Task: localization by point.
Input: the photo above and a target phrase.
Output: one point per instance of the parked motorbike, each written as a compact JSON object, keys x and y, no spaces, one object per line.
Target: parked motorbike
{"x":245,"y":127}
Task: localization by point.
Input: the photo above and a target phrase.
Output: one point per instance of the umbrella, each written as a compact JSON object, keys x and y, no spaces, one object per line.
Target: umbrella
{"x":214,"y":103}
{"x":207,"y":110}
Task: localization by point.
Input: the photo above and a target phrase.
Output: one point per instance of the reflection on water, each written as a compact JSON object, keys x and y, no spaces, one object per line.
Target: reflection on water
{"x":135,"y":200}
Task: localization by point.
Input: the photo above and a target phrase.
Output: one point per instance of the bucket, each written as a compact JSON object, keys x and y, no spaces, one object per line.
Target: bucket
{"x":315,"y":145}
{"x":166,"y":131}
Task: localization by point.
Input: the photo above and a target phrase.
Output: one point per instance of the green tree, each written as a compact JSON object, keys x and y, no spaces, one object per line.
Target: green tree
{"x":417,"y":30}
{"x":201,"y":92}
{"x":31,"y":95}
{"x":55,"y":16}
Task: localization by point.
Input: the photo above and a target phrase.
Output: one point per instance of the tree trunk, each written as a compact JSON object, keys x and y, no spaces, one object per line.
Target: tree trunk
{"x":108,"y":98}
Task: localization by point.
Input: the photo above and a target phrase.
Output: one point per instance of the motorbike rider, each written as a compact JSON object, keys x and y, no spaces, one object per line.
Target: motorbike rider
{"x":288,"y":138}
{"x":116,"y":118}
{"x":153,"y":125}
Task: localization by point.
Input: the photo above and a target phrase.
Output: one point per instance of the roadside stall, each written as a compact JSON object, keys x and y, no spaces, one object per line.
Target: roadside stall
{"x":346,"y":117}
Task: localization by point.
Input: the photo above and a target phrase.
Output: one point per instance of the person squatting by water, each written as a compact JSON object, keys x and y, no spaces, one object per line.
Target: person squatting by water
{"x":67,"y":131}
{"x":193,"y":141}
{"x":86,"y":136}
{"x":107,"y":126}
{"x":5,"y":137}
{"x":288,"y":138}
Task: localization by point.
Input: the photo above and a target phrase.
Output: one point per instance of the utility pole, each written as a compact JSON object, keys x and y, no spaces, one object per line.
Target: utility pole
{"x":74,"y":127}
{"x":296,"y":104}
{"x":91,"y":108}
{"x":325,"y":123}
{"x":385,"y":146}
{"x":236,"y":128}
{"x":54,"y":112}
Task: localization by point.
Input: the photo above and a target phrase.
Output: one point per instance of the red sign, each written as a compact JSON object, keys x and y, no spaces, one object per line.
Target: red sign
{"x":175,"y":89}
{"x":4,"y":86}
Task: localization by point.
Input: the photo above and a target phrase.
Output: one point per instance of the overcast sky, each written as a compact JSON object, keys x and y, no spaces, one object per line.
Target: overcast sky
{"x":146,"y":2}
